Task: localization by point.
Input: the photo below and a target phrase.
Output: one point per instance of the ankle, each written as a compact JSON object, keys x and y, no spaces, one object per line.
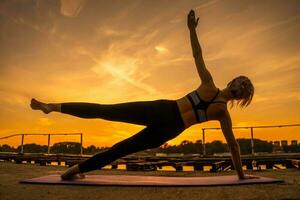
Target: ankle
{"x":73,"y":170}
{"x":55,"y":107}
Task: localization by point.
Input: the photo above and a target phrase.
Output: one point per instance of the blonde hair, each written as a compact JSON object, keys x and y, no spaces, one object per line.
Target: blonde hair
{"x":248,"y":92}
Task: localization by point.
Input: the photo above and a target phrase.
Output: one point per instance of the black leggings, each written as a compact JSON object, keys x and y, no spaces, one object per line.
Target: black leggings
{"x":161,"y":118}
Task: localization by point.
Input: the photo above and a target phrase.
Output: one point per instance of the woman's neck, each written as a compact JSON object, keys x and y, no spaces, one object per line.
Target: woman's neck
{"x":225,"y":93}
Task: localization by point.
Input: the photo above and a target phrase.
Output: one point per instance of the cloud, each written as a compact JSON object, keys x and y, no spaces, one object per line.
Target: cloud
{"x":109,"y":31}
{"x":122,"y":68}
{"x":206,"y":4}
{"x":71,"y":8}
{"x":161,"y":49}
{"x":43,"y":121}
{"x":111,"y":52}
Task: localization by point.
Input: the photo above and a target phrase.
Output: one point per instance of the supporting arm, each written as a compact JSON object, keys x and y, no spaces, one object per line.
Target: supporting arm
{"x":226,"y":126}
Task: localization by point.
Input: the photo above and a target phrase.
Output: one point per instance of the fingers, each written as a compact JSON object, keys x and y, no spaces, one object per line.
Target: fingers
{"x":192,"y":14}
{"x":192,"y":22}
{"x":251,"y":176}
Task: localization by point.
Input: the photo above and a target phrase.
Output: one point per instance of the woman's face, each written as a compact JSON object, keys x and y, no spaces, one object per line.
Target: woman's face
{"x":237,"y":88}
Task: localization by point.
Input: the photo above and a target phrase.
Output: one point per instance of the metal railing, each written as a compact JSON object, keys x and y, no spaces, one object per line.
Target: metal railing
{"x":49,"y":135}
{"x":244,"y":127}
{"x":203,"y":135}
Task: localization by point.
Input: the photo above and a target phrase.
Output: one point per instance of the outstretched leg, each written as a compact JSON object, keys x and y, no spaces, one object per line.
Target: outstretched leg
{"x":149,"y":137}
{"x":139,"y":112}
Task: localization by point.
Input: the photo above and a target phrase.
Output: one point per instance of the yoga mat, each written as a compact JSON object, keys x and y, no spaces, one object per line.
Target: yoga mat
{"x":134,"y":180}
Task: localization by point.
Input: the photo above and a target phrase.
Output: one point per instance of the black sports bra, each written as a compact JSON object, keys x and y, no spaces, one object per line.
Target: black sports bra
{"x":200,"y":106}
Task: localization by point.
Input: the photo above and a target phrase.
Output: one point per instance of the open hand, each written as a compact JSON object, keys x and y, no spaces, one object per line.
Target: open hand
{"x":73,"y":177}
{"x":250,"y":177}
{"x":191,"y":21}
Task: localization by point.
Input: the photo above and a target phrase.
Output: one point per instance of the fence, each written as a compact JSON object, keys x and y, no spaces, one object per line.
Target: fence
{"x":244,"y":127}
{"x":49,"y":135}
{"x":203,"y":135}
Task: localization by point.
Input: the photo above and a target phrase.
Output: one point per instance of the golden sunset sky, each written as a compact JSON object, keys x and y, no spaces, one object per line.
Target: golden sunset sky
{"x":132,"y":50}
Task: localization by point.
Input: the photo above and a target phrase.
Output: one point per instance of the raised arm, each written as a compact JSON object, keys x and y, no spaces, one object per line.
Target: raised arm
{"x":226,"y":126}
{"x":204,"y":74}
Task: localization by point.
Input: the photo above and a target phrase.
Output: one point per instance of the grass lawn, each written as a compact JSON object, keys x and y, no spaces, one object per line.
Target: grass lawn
{"x":11,"y":174}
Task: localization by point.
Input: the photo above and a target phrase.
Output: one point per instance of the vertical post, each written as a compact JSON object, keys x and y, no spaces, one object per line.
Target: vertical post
{"x":80,"y":144}
{"x":22,"y":142}
{"x":203,"y":141}
{"x":48,"y":143}
{"x":252,"y":142}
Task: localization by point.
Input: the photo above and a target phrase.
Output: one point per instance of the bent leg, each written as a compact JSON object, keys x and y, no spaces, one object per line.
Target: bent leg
{"x":147,"y":138}
{"x":139,"y":112}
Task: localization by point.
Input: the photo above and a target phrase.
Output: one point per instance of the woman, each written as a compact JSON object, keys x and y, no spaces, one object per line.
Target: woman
{"x":164,"y":119}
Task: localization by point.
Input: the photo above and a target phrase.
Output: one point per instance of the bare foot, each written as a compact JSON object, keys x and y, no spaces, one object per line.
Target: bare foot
{"x":72,"y":173}
{"x":37,"y":105}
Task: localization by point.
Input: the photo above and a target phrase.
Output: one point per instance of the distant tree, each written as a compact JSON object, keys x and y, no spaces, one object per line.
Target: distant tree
{"x":245,"y":145}
{"x":7,"y":148}
{"x":259,"y":146}
{"x":167,"y":149}
{"x":66,"y":147}
{"x":199,"y":147}
{"x":262,"y":146}
{"x":291,"y":148}
{"x":185,"y":147}
{"x":92,"y":149}
{"x":33,"y":148}
{"x":215,"y":147}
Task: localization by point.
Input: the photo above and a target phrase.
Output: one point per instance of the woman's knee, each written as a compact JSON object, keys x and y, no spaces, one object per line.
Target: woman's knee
{"x":148,"y":138}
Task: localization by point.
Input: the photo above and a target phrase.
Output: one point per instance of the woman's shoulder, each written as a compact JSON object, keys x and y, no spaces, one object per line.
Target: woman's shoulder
{"x":223,"y":112}
{"x":218,"y":112}
{"x":206,"y":91}
{"x":207,"y":87}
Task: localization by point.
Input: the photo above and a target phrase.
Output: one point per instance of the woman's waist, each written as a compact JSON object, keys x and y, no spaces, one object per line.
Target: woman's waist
{"x":184,"y":104}
{"x":186,"y":111}
{"x":174,"y":113}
